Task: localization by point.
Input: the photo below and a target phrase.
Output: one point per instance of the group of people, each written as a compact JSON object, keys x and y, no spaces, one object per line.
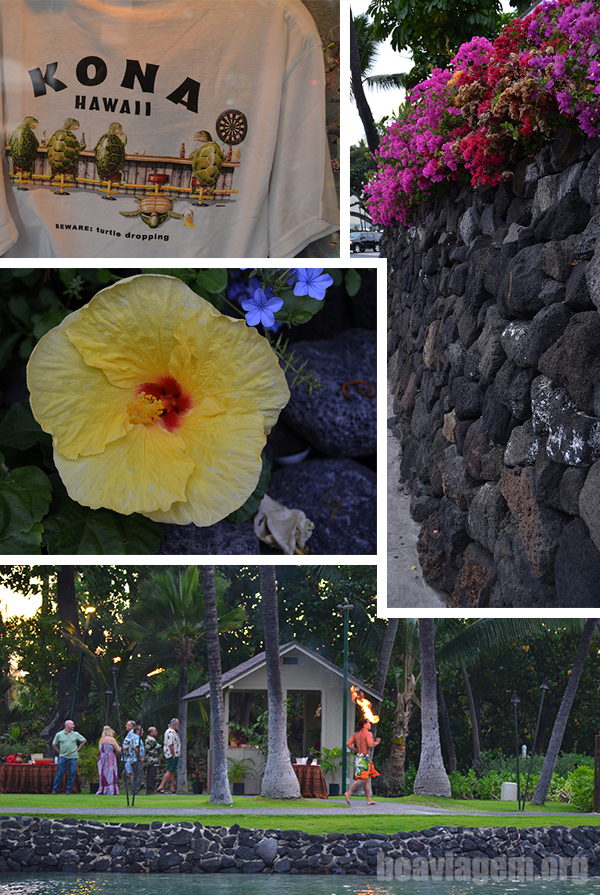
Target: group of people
{"x":135,"y":751}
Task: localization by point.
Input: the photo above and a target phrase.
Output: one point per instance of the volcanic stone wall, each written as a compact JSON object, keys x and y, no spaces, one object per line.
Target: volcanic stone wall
{"x":72,"y":846}
{"x":494,"y":364}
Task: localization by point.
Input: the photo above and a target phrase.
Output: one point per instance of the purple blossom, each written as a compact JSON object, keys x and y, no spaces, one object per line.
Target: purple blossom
{"x":311,"y":281}
{"x":262,"y":308}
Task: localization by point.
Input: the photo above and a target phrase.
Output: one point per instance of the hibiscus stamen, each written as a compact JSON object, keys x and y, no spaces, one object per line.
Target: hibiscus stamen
{"x":145,"y":409}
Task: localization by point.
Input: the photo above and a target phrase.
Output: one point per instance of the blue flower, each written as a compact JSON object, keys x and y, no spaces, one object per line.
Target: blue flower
{"x":311,"y":281}
{"x":261,"y":308}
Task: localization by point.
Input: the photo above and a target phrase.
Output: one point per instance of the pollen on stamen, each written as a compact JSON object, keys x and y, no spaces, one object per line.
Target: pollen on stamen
{"x":144,"y":409}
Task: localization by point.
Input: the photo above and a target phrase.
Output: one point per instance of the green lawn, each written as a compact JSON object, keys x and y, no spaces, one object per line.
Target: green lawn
{"x":319,"y":821}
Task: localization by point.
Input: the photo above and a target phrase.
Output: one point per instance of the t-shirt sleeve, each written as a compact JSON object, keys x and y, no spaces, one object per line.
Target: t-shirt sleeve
{"x":302,"y":198}
{"x":8,"y":230}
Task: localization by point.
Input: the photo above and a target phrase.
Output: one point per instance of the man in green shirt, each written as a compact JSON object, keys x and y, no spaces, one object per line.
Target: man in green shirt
{"x":67,"y":743}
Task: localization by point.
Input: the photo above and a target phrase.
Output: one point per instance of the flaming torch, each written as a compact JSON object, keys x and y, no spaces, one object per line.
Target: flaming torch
{"x":365,"y":706}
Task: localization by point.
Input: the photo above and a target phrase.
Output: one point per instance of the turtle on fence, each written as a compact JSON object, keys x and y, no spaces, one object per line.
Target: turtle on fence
{"x":63,"y":150}
{"x":24,"y":146}
{"x":109,"y":154}
{"x":153,"y":210}
{"x":207,"y":162}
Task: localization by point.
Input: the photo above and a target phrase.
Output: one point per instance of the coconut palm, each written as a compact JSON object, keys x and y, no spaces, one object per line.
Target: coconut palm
{"x":279,"y":780}
{"x":219,"y":791}
{"x":431,"y":779}
{"x":560,"y":725}
{"x":170,"y":613}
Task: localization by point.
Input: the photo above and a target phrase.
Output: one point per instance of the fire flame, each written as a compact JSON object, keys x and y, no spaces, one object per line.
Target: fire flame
{"x":365,"y":706}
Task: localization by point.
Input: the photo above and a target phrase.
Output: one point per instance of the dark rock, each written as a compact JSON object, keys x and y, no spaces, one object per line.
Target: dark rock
{"x":548,"y":401}
{"x":589,"y":185}
{"x":556,"y":258}
{"x":497,"y":417}
{"x":592,"y":279}
{"x":458,"y":279}
{"x":551,"y":192}
{"x":571,"y":484}
{"x":459,"y":486}
{"x":577,"y":568}
{"x":566,"y":148}
{"x":488,"y":515}
{"x":570,"y":215}
{"x":221,"y":538}
{"x":468,"y":398}
{"x":519,"y":291}
{"x":574,"y":360}
{"x":477,"y":443}
{"x":589,"y":503}
{"x":525,"y":178}
{"x":588,"y":243}
{"x":469,"y":226}
{"x":339,"y":496}
{"x":338,"y":424}
{"x":513,"y":388}
{"x":539,"y":527}
{"x":517,"y":585}
{"x":475,"y":579}
{"x":476,"y":292}
{"x":574,"y":439}
{"x":577,"y":296}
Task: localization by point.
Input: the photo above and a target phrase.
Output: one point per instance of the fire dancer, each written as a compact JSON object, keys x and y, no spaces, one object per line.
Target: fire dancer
{"x":360,"y":743}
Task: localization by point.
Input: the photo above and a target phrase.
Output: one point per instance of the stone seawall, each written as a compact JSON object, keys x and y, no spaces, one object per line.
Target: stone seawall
{"x":494,"y":364}
{"x":72,"y":846}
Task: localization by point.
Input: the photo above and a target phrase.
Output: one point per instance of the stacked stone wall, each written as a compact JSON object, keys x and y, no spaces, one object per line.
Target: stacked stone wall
{"x":72,"y":846}
{"x":494,"y":365}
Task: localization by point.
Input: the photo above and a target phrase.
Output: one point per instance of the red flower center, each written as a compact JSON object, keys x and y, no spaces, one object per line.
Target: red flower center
{"x":174,"y":400}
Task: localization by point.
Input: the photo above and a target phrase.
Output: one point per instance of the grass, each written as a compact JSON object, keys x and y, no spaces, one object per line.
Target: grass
{"x":319,"y":821}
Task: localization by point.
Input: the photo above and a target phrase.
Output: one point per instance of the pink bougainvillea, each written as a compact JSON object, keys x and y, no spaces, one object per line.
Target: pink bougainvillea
{"x":495,"y":100}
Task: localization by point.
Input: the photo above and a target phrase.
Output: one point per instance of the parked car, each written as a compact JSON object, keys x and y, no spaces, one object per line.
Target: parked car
{"x":365,"y":239}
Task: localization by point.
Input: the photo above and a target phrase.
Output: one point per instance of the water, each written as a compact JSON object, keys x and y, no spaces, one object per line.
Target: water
{"x":274,"y":884}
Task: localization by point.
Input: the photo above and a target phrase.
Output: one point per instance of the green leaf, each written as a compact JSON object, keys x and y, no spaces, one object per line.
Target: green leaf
{"x":105,"y":276}
{"x":6,"y":348}
{"x":25,"y":496}
{"x":213,"y":280}
{"x":67,"y":275}
{"x":28,"y":542}
{"x":297,"y":308}
{"x":249,"y":508}
{"x":80,"y":530}
{"x":49,"y":320}
{"x":20,"y":430}
{"x":19,"y":306}
{"x":353,"y":281}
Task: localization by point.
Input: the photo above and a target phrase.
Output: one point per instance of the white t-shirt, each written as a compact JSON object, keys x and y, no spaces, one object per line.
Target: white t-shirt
{"x":244,"y":78}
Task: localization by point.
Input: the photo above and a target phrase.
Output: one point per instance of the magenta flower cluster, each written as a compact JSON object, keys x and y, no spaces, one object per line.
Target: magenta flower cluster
{"x":494,"y":101}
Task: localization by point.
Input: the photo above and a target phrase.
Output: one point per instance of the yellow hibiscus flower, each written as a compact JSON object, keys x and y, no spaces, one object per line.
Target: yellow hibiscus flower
{"x":156,"y":402}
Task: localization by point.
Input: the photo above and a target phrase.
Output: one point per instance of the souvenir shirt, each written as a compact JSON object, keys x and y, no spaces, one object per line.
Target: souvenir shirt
{"x":201,"y":122}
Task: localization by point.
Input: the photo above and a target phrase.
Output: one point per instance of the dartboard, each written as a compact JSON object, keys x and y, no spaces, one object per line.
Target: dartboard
{"x":232,"y":126}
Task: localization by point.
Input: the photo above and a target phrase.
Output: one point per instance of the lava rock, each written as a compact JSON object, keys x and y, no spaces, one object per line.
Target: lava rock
{"x":338,"y":424}
{"x":221,"y":538}
{"x":577,"y":568}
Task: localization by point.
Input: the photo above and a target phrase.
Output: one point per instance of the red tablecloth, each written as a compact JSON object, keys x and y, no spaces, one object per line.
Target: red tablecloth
{"x":32,"y":778}
{"x":312,"y":781}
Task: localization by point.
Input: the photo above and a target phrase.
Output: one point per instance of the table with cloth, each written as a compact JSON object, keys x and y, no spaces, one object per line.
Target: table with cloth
{"x":312,"y":781}
{"x":32,"y":778}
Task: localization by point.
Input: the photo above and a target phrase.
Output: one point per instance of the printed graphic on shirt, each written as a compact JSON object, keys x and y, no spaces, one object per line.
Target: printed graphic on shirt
{"x":155,"y":182}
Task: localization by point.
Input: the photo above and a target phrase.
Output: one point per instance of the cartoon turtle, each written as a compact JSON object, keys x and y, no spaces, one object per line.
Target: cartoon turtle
{"x":109,"y":152}
{"x":154,"y":210}
{"x":207,"y":161}
{"x":24,"y":146}
{"x":63,"y":150}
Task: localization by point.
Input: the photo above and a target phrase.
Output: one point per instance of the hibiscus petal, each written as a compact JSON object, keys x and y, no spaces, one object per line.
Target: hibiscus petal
{"x":147,"y":470}
{"x":127,"y":331}
{"x":72,"y":401}
{"x":224,"y":359}
{"x":226,"y":450}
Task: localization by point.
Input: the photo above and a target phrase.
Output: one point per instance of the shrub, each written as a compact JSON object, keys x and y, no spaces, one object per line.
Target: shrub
{"x":581,"y":783}
{"x":494,"y":102}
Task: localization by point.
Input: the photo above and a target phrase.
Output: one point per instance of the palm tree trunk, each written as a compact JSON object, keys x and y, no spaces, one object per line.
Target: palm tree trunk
{"x":385,"y":657}
{"x":472,"y":716}
{"x":431,"y":779}
{"x":279,"y":780}
{"x":182,"y":711}
{"x":560,"y":725}
{"x":404,"y":707}
{"x":364,"y":110}
{"x":446,"y":728}
{"x":219,"y":791}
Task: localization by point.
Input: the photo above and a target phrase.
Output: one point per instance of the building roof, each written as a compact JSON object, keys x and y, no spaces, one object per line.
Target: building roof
{"x":245,"y":668}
